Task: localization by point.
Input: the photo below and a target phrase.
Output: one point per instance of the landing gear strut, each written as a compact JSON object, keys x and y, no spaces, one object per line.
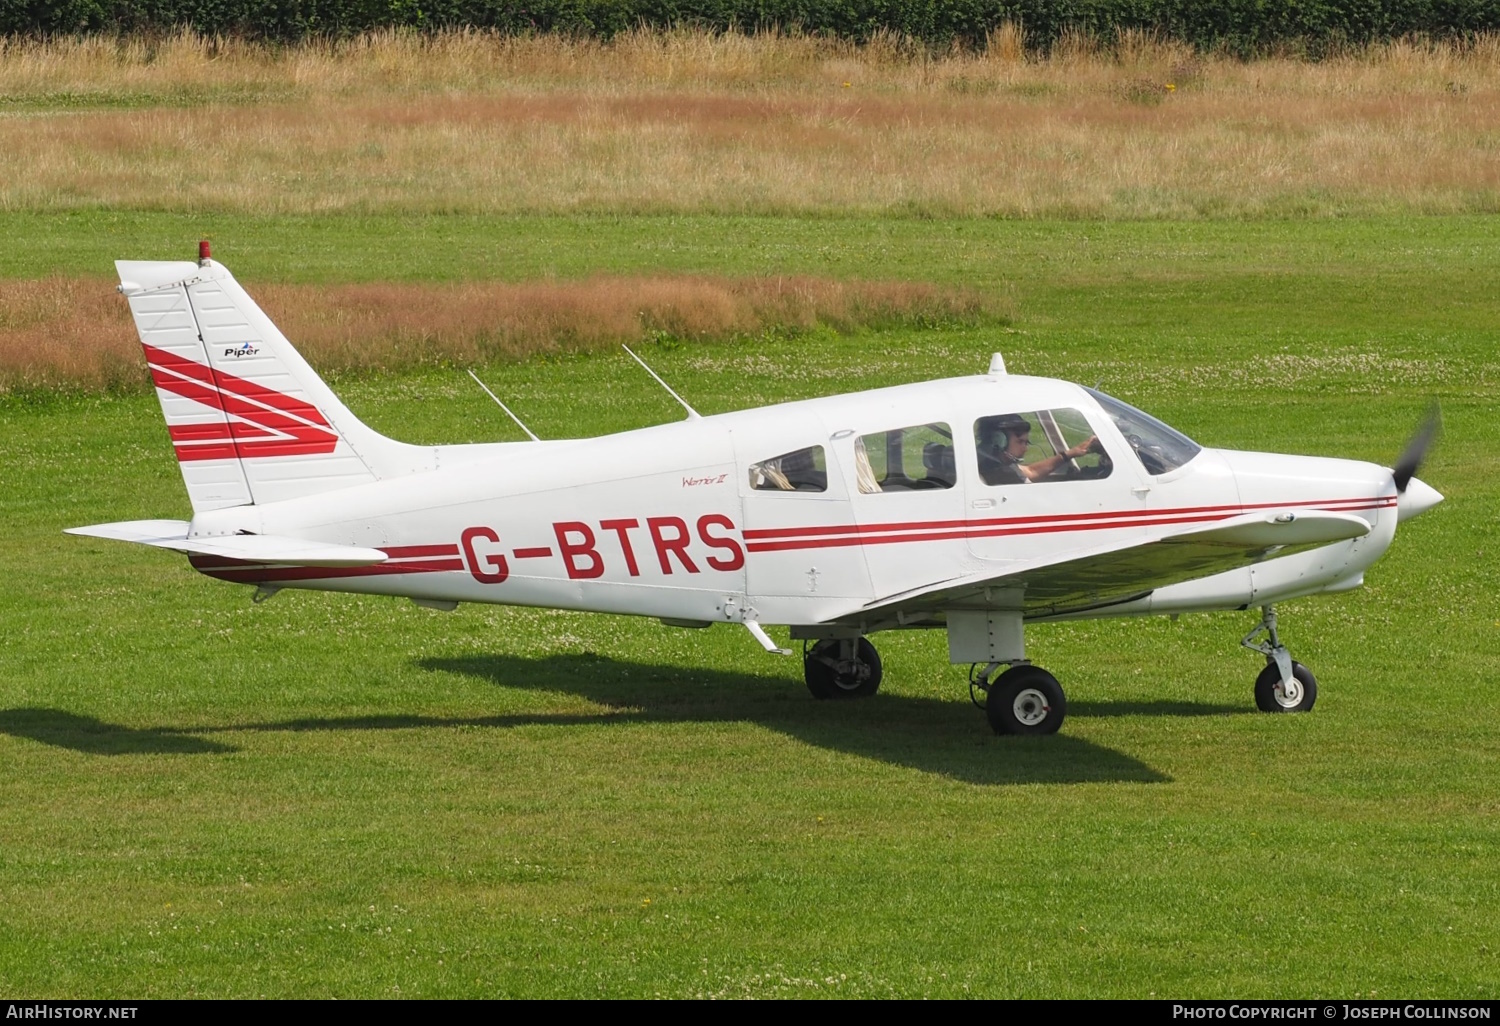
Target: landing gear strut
{"x":1284,"y":685}
{"x":841,"y":668}
{"x":1025,"y":699}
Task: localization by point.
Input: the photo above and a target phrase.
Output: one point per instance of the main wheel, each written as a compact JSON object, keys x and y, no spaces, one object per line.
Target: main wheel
{"x":831,"y":674}
{"x":1272,"y":696}
{"x":1026,"y":700}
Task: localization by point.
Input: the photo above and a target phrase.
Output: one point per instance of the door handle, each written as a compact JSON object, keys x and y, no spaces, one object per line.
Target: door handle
{"x":1141,"y":491}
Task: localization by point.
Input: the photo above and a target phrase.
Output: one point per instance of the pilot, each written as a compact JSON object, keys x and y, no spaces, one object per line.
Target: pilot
{"x":1003,"y":442}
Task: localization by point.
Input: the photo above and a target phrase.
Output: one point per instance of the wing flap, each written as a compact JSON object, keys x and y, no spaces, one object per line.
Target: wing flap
{"x":1111,"y":575}
{"x":249,"y":548}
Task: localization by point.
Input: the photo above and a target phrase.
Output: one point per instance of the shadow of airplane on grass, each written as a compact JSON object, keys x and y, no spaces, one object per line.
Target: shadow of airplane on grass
{"x":926,"y":734}
{"x":922,"y":733}
{"x":85,"y":734}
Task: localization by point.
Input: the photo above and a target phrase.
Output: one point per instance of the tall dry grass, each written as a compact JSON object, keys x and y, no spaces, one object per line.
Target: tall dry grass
{"x":76,"y":333}
{"x":698,"y":122}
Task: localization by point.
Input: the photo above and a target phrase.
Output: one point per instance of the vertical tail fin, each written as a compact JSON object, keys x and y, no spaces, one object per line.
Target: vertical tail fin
{"x":250,"y":420}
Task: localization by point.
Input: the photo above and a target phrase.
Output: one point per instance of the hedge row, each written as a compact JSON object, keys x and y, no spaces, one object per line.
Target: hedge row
{"x":1240,"y":25}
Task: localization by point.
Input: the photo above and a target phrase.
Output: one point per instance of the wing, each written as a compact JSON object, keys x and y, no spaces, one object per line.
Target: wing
{"x":1110,"y":575}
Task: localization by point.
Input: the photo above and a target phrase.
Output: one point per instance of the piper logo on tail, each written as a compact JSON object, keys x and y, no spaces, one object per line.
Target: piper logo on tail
{"x":256,"y":421}
{"x":238,"y":351}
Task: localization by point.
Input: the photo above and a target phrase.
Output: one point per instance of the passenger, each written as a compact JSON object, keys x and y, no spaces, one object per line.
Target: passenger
{"x":1003,"y":442}
{"x":767,"y":477}
{"x":938,"y":461}
{"x":802,"y":473}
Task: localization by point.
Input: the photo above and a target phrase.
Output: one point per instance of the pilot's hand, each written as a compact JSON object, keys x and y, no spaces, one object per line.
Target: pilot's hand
{"x":1091,"y":445}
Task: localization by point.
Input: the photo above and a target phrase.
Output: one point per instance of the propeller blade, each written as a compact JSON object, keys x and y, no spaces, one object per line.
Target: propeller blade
{"x":1406,"y":467}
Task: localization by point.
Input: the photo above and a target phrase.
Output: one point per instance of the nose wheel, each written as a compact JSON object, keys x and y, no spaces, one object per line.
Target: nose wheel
{"x":842,"y":668}
{"x":1272,"y":694}
{"x":1025,"y":699}
{"x":1284,"y":685}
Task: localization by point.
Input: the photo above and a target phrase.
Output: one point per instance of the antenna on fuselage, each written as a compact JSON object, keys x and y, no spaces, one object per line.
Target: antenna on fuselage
{"x":692,"y":413}
{"x":498,"y":403}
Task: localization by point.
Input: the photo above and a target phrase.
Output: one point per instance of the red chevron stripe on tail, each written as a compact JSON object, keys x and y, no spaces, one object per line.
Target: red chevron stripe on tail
{"x":260,"y":422}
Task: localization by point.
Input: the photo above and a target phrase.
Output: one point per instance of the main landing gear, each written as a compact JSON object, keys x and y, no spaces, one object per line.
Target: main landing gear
{"x":841,"y":668}
{"x":1025,"y":699}
{"x":1284,"y":685}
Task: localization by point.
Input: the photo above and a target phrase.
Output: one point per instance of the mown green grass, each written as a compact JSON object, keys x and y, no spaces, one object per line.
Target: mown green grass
{"x":331,"y":795}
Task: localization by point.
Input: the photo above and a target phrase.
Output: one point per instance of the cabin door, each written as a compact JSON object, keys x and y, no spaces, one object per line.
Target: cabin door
{"x":795,"y":501}
{"x":907,"y":505}
{"x":1047,"y":483}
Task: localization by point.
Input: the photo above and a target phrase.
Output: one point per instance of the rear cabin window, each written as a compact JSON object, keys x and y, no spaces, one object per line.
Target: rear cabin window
{"x":1041,"y":446}
{"x":907,"y":459}
{"x":802,"y":470}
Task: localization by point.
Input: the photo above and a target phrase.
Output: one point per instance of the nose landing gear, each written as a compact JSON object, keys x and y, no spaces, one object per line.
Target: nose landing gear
{"x":1284,"y":685}
{"x":1272,"y":694}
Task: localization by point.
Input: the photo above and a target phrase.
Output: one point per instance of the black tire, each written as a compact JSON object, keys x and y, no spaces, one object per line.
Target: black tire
{"x":1269,"y":696}
{"x":825,"y":679}
{"x":1026,"y":700}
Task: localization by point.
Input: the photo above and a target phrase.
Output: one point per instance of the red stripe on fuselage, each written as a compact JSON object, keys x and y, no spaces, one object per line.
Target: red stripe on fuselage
{"x":948,"y":530}
{"x":403,"y":559}
{"x":1188,"y":514}
{"x":252,"y":573}
{"x":412,"y":551}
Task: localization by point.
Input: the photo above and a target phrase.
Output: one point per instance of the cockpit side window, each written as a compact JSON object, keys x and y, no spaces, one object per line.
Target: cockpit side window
{"x":1159,"y":448}
{"x":802,"y":470}
{"x":1041,"y":446}
{"x":905,"y":459}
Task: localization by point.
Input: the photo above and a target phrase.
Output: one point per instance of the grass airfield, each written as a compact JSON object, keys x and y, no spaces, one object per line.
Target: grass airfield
{"x":339,"y":796}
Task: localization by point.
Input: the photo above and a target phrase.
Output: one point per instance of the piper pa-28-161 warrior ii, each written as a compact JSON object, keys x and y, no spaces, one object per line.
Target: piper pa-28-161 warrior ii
{"x":974,"y":505}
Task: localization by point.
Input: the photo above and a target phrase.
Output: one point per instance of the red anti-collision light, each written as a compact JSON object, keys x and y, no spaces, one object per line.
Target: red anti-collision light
{"x":203,"y":251}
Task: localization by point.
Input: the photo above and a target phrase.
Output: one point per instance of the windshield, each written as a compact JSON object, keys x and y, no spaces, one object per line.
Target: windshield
{"x":1158,"y":447}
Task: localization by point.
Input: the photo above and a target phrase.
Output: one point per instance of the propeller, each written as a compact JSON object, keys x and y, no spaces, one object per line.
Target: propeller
{"x":1411,"y":458}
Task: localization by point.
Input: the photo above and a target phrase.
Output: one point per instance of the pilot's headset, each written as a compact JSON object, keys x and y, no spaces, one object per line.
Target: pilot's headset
{"x":993,"y":428}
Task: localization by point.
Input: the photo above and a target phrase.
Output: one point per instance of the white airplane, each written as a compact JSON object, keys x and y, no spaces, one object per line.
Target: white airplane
{"x":973,"y":505}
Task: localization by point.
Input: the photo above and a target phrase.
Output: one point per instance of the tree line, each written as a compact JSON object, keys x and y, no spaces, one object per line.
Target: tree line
{"x":1239,"y":26}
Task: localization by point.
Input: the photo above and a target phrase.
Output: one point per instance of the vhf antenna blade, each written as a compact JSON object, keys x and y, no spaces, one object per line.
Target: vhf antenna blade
{"x":498,"y":403}
{"x":692,"y":413}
